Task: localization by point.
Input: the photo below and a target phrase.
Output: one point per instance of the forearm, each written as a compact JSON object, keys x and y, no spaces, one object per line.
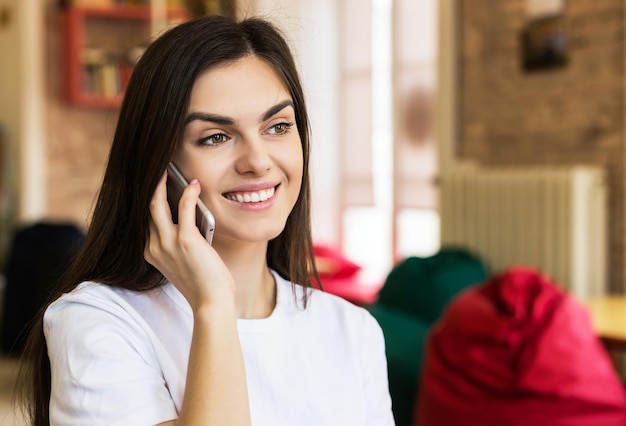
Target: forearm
{"x":216,"y":391}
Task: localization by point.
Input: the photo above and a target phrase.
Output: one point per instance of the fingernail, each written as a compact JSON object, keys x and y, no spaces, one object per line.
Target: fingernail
{"x":193,"y":181}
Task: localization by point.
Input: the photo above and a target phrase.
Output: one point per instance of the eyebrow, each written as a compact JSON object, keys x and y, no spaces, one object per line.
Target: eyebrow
{"x":227,"y":121}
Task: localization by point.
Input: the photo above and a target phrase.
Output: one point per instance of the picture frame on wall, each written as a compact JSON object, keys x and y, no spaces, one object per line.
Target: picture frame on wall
{"x":543,"y":38}
{"x":544,"y":44}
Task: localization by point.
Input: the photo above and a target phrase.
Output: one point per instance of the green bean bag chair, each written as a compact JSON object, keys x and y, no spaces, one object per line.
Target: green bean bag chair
{"x":414,"y":295}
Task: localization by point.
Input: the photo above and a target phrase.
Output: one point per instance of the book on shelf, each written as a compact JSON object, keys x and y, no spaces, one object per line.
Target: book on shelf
{"x":110,"y":80}
{"x":105,"y":74}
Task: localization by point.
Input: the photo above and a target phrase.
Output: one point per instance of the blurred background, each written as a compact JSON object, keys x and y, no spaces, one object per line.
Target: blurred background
{"x":400,"y":93}
{"x":370,"y":91}
{"x":432,"y":122}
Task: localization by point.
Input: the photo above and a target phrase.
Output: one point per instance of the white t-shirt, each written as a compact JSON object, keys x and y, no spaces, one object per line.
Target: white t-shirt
{"x":120,"y":357}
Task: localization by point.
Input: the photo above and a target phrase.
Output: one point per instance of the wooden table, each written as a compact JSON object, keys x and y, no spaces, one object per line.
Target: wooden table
{"x":608,"y":315}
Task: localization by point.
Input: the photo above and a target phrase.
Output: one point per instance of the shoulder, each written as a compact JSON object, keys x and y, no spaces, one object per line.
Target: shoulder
{"x":87,"y":294}
{"x":102,"y":349}
{"x":96,"y":321}
{"x":93,"y":309}
{"x":92,"y":296}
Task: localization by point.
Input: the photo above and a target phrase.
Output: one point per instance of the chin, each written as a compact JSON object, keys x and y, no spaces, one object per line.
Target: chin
{"x":257,"y":234}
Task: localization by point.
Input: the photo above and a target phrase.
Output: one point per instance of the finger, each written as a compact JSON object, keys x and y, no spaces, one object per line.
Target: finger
{"x":149,"y":252}
{"x":187,"y":207}
{"x":159,"y":208}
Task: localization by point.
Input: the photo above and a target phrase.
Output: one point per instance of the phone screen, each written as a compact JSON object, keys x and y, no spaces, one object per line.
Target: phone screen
{"x":176,"y":183}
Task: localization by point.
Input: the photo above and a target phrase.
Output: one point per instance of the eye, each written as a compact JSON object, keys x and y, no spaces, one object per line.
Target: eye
{"x":280,"y":128}
{"x":214,"y":139}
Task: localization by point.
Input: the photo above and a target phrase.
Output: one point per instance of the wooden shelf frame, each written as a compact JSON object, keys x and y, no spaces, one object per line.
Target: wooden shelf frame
{"x":74,"y":44}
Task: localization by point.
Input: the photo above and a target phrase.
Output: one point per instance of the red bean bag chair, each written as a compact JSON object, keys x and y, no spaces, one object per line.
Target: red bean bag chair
{"x":517,"y":350}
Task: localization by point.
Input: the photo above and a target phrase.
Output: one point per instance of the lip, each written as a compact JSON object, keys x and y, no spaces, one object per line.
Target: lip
{"x":253,"y":187}
{"x":257,"y":206}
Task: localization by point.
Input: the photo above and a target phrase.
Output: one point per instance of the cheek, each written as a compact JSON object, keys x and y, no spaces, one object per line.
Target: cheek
{"x":295,"y":175}
{"x":194,"y":165}
{"x":184,"y":159}
{"x":293,"y":160}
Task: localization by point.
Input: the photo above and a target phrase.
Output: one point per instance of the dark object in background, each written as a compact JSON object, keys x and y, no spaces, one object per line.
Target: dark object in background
{"x":544,"y":44}
{"x":37,"y":257}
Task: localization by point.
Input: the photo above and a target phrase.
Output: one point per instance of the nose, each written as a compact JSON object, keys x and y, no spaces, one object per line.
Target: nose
{"x":253,"y":156}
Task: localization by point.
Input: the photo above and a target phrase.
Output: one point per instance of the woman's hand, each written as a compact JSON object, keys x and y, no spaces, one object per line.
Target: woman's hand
{"x":216,"y":389}
{"x":182,"y":254}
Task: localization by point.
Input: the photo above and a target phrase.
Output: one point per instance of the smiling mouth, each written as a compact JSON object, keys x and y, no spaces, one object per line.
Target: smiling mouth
{"x":251,"y":197}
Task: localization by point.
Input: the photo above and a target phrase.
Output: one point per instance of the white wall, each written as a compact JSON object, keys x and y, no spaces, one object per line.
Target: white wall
{"x":311,"y":27}
{"x":21,"y":109}
{"x":9,"y":92}
{"x":364,"y":232}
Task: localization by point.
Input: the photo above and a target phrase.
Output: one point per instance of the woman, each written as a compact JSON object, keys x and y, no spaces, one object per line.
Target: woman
{"x":152,"y":325}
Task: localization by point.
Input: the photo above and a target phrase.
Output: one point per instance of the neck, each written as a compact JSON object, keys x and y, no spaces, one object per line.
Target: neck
{"x":256,"y":289}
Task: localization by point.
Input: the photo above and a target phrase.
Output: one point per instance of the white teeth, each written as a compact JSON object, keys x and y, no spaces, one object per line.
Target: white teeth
{"x":252,"y":197}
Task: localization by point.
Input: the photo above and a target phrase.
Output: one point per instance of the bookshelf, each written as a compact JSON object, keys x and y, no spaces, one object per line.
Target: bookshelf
{"x":101,"y":46}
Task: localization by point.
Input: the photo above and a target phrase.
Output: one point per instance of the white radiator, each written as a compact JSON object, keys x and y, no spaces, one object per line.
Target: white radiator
{"x":553,"y":219}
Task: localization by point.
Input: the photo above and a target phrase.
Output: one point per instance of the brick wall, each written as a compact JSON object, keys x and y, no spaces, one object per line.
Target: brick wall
{"x":77,"y":138}
{"x":570,"y":115}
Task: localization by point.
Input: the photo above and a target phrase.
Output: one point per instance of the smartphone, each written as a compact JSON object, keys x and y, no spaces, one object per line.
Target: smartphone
{"x":176,"y":183}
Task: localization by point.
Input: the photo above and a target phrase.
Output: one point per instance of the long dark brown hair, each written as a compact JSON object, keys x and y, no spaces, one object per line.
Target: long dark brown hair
{"x":148,"y":133}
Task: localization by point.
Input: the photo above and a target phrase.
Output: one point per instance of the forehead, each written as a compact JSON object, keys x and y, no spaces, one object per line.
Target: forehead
{"x":238,"y":87}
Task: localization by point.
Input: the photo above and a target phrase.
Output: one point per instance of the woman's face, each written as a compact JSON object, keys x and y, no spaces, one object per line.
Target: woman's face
{"x":242,"y":143}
